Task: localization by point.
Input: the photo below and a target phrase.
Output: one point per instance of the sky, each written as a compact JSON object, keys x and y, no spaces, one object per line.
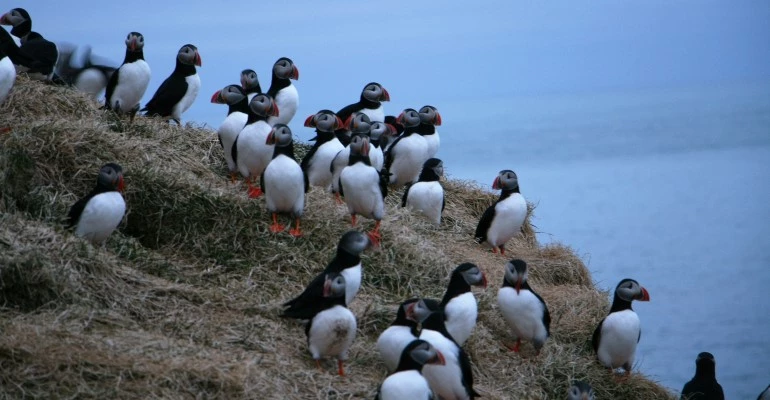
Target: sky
{"x":457,"y":57}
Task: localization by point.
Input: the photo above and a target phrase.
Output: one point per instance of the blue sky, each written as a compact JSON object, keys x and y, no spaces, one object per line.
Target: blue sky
{"x":453,"y":55}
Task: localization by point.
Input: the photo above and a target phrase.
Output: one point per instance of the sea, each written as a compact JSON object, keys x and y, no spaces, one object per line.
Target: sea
{"x":670,"y":187}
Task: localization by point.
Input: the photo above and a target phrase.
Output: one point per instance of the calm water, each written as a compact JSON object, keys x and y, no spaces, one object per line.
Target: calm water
{"x":671,"y":188}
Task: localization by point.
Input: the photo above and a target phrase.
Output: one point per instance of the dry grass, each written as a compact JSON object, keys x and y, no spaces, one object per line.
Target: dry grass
{"x":182,"y":302}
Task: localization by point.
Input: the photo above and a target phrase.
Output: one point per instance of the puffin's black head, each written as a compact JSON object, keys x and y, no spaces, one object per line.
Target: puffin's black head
{"x":430,"y":115}
{"x":280,"y":136}
{"x":358,"y":123}
{"x":630,"y":290}
{"x":419,"y":353}
{"x":354,"y":242}
{"x":324,"y":121}
{"x":401,"y":318}
{"x":705,"y":365}
{"x":15,"y":17}
{"x":471,"y":274}
{"x":409,"y":118}
{"x":284,"y":68}
{"x":334,"y":285}
{"x":380,"y":129}
{"x":263,"y":105}
{"x":373,"y":91}
{"x":359,"y":144}
{"x":506,"y":180}
{"x":230,"y":94}
{"x":432,"y":169}
{"x":422,"y":309}
{"x":135,"y":42}
{"x":580,"y":391}
{"x":188,"y":55}
{"x":389,"y":119}
{"x":111,"y":177}
{"x":516,"y":273}
{"x":249,"y":79}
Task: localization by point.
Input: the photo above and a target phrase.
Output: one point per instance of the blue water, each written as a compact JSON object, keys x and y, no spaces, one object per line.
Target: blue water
{"x":670,"y":187}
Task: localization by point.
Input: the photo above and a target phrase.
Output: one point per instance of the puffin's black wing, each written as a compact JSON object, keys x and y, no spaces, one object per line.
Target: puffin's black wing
{"x":484,"y":223}
{"x":465,"y":368}
{"x":262,"y":182}
{"x":41,"y":53}
{"x":389,"y":154}
{"x":406,"y":194}
{"x":546,"y":314}
{"x":305,"y":163}
{"x":384,"y":178}
{"x":597,"y":335}
{"x":234,"y":150}
{"x":443,"y":201}
{"x":111,"y":88}
{"x":339,"y":184}
{"x":313,"y":290}
{"x":348,"y":110}
{"x":307,"y":181}
{"x":168,"y":94}
{"x":77,"y":209}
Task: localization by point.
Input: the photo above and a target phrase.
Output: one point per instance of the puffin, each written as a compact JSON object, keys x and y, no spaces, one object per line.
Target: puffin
{"x":429,"y":120}
{"x":363,"y":188}
{"x":129,"y":82}
{"x":7,"y":75}
{"x":283,"y":181}
{"x":397,"y":336}
{"x":370,"y":103}
{"x":406,"y":156}
{"x":79,"y":67}
{"x":331,"y":331}
{"x":427,"y":195}
{"x":357,"y":125}
{"x":459,"y":304}
{"x":251,"y":153}
{"x":177,"y":93}
{"x":237,"y":115}
{"x":377,"y":131}
{"x":454,"y":379}
{"x":36,"y":56}
{"x":346,"y":261}
{"x":317,"y":161}
{"x":250,"y":83}
{"x":503,"y":220}
{"x":283,"y":91}
{"x":523,"y":310}
{"x":580,"y":390}
{"x":615,"y":338}
{"x":99,"y":213}
{"x":704,"y":385}
{"x":407,"y":382}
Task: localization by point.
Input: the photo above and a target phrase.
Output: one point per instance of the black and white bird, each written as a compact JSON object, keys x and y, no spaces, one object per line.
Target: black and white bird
{"x":387,"y":140}
{"x":177,"y":93}
{"x":406,"y":156}
{"x":250,"y":83}
{"x":283,"y":91}
{"x":283,"y":182}
{"x":318,"y":159}
{"x":81,"y":68}
{"x":36,"y":56}
{"x":99,"y":213}
{"x":523,"y":310}
{"x":377,"y":131}
{"x":503,"y":220}
{"x":407,"y":383}
{"x":580,"y":390}
{"x":7,"y":75}
{"x":704,"y":385}
{"x":346,"y":261}
{"x":331,"y":331}
{"x":459,"y":304}
{"x":357,"y":124}
{"x":454,"y":379}
{"x":397,"y":336}
{"x":251,"y":153}
{"x":128,"y":84}
{"x":426,"y":196}
{"x":617,"y":335}
{"x":370,"y":103}
{"x":237,"y":115}
{"x":429,"y":120}
{"x":362,"y":187}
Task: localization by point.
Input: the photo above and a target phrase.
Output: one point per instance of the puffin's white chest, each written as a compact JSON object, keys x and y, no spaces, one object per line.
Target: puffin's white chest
{"x":133,"y":79}
{"x":284,"y":186}
{"x":509,"y":216}
{"x":523,"y":312}
{"x":319,"y":173}
{"x":433,"y":144}
{"x":445,"y":380}
{"x":619,"y":336}
{"x":193,"y":85}
{"x":7,"y":77}
{"x":427,"y":198}
{"x":461,"y":313}
{"x":91,"y":81}
{"x":405,"y":385}
{"x":361,"y":188}
{"x":352,"y":282}
{"x":409,"y":154}
{"x":375,"y":114}
{"x":228,"y":131}
{"x":376,"y":157}
{"x":287,"y":100}
{"x":253,"y":152}
{"x":101,"y":216}
{"x":331,"y":333}
{"x":391,"y":344}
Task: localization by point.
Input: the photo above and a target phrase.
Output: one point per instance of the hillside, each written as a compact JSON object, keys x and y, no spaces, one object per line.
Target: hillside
{"x":183,"y":301}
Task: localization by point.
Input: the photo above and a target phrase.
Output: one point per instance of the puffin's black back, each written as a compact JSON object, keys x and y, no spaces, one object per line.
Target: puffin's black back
{"x":170,"y":91}
{"x":704,"y":385}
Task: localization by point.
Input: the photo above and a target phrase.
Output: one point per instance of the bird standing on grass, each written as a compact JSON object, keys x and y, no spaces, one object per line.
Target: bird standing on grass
{"x":36,"y":56}
{"x":283,"y":91}
{"x":704,"y":385}
{"x":96,"y":215}
{"x":397,"y":336}
{"x":251,"y":153}
{"x":237,"y":115}
{"x":177,"y":93}
{"x":427,"y":195}
{"x":523,"y":310}
{"x":317,"y":161}
{"x":407,"y":383}
{"x":503,"y":220}
{"x":129,"y":82}
{"x":459,"y":303}
{"x":283,"y":182}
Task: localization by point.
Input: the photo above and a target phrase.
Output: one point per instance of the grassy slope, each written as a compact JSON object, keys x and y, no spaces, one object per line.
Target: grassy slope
{"x":183,"y":301}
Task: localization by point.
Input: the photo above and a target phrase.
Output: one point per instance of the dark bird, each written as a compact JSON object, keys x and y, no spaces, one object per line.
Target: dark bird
{"x":177,"y":93}
{"x":704,"y":385}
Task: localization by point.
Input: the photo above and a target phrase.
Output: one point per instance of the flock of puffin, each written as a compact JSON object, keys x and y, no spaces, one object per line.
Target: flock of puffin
{"x":358,"y":154}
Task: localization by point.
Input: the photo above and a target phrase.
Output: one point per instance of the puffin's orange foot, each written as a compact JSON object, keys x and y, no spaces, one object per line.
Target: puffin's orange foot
{"x":296,"y":232}
{"x":494,"y":250}
{"x":353,"y":220}
{"x":233,"y":177}
{"x":318,"y":364}
{"x":516,"y":347}
{"x":255,"y":192}
{"x":340,"y":370}
{"x":5,"y":130}
{"x":502,"y":250}
{"x":276,"y":228}
{"x":338,"y":198}
{"x":375,"y":237}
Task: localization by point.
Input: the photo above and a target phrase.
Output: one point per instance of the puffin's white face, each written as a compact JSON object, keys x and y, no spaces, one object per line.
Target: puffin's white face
{"x":375,"y":92}
{"x":14,"y":17}
{"x":516,"y":273}
{"x":506,"y":179}
{"x":280,"y":135}
{"x":424,"y":353}
{"x":334,"y":285}
{"x":420,"y":310}
{"x":188,"y":54}
{"x":230,"y":94}
{"x":629,"y":290}
{"x":354,"y":242}
{"x":324,"y":121}
{"x":135,"y":41}
{"x":360,"y":123}
{"x":580,"y":391}
{"x":111,"y":176}
{"x":263,"y":105}
{"x":430,"y":115}
{"x":409,"y":118}
{"x":474,"y":276}
{"x":378,"y":129}
{"x":284,"y":68}
{"x":249,"y":79}
{"x":359,"y":144}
